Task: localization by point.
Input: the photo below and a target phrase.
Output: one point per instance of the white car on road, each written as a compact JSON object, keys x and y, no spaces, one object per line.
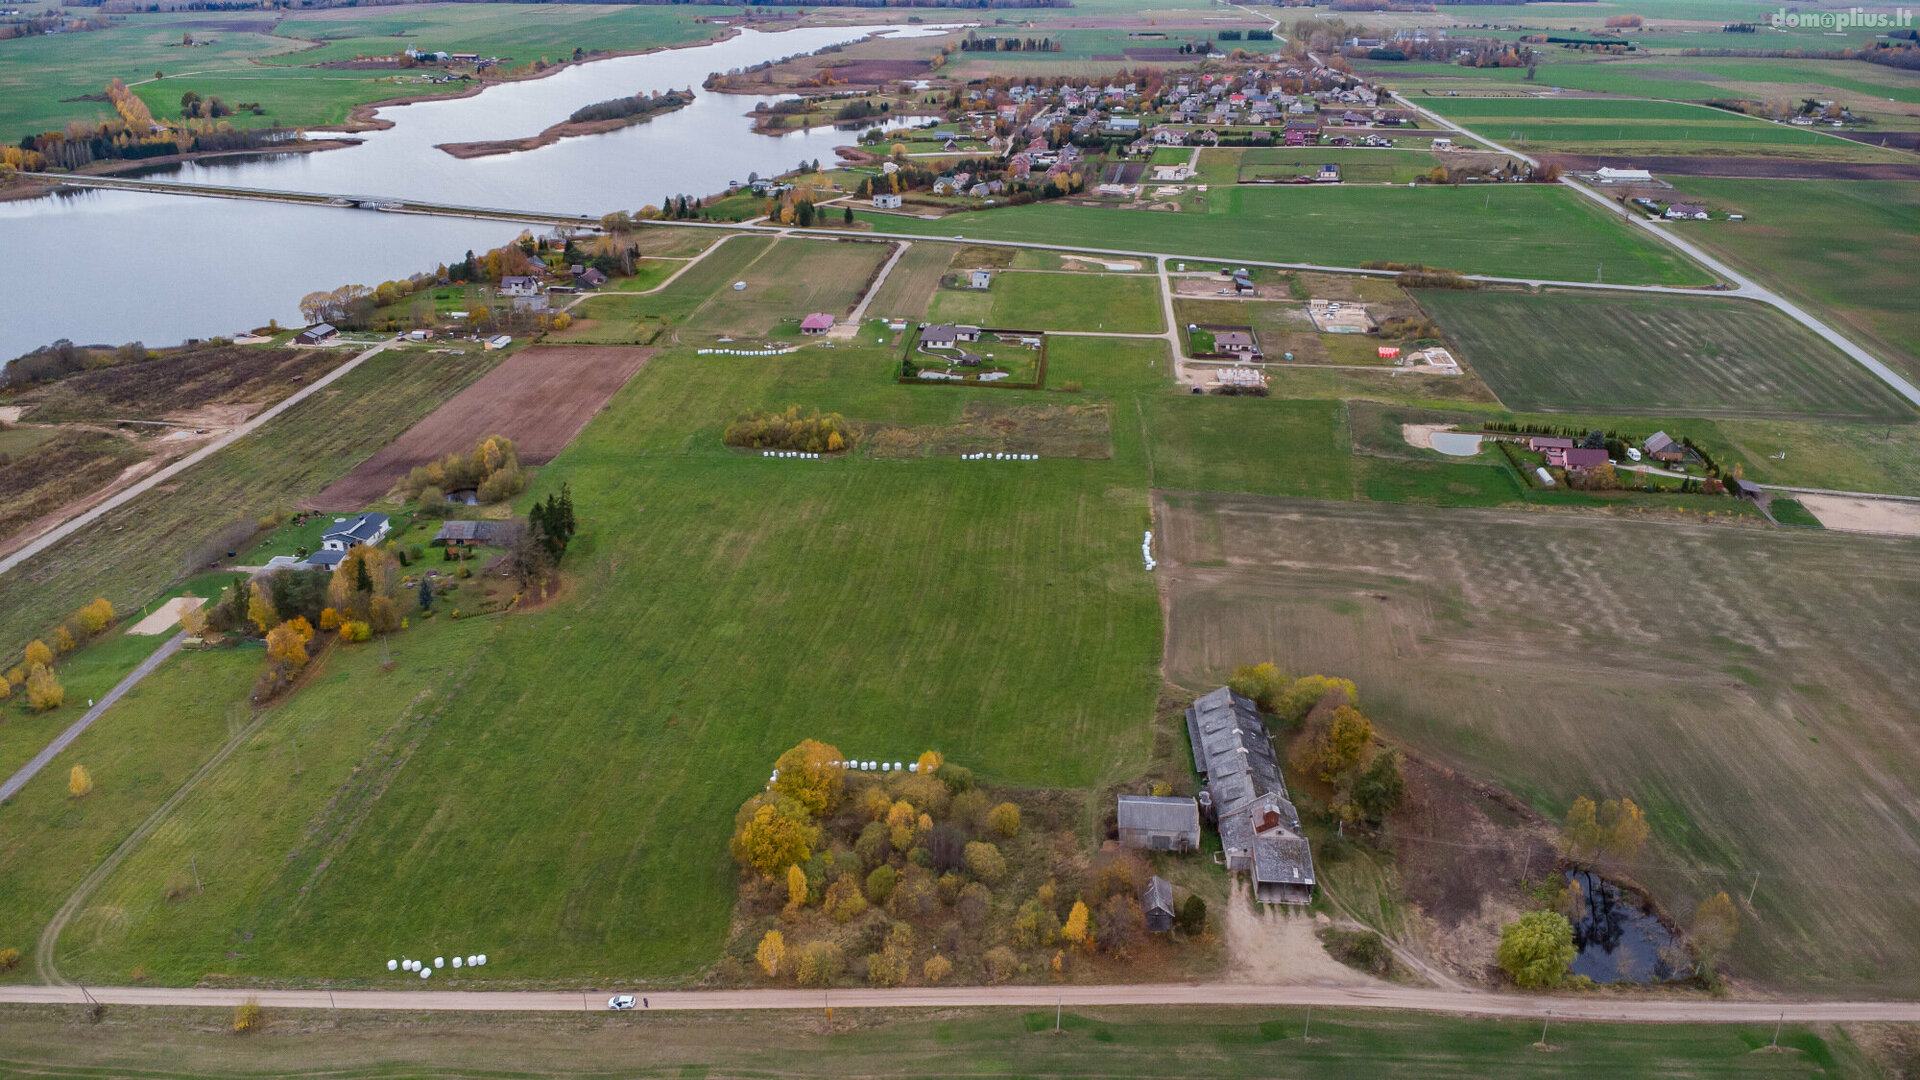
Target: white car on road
{"x":620,"y":1002}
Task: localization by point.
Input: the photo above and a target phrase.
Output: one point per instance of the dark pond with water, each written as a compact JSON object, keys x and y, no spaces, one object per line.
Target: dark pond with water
{"x":1619,"y":939}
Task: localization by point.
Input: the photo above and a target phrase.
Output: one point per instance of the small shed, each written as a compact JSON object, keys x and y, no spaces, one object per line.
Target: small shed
{"x":1158,"y":823}
{"x":316,"y":335}
{"x":982,"y":279}
{"x":1156,"y":903}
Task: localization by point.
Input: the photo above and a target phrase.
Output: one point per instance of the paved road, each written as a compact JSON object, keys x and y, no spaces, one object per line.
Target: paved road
{"x":1592,"y":1006}
{"x":27,"y":772}
{"x":1743,"y":285}
{"x":60,"y":532}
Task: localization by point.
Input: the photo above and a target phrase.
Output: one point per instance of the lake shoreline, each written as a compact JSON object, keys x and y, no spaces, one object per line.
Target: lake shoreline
{"x":34,"y":189}
{"x":566,"y":129}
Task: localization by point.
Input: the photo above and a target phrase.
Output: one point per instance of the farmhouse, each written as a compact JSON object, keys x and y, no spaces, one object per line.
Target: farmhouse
{"x":513,"y":285}
{"x":886,"y":202}
{"x":1685,"y":212}
{"x":1156,"y":903}
{"x":1247,"y":799}
{"x":1159,"y":824}
{"x":817,"y":323}
{"x":982,"y":279}
{"x":316,"y":335}
{"x":588,"y":277}
{"x":460,"y":534}
{"x":365,"y":529}
{"x":1661,"y":447}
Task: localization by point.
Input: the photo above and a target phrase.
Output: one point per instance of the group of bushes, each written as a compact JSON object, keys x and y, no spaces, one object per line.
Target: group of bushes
{"x":919,"y":877}
{"x":492,"y":471}
{"x":34,"y":673}
{"x":810,"y":432}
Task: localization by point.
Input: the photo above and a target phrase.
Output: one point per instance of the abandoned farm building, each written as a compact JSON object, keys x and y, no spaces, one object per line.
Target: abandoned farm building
{"x":1159,"y":824}
{"x":1156,"y":903}
{"x":1247,"y":798}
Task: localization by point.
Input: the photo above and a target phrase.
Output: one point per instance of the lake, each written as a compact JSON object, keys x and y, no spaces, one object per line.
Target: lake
{"x":161,"y":268}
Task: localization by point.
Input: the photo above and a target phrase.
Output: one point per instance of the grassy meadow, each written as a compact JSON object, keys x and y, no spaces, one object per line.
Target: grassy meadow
{"x":1655,"y":355}
{"x":1115,"y":303}
{"x":1510,"y":230}
{"x":931,"y":599}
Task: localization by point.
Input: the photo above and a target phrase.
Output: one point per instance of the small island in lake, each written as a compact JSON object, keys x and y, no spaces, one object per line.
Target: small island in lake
{"x":602,"y":116}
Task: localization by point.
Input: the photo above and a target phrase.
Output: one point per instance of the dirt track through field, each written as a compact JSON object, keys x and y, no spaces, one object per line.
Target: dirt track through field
{"x":540,"y":398}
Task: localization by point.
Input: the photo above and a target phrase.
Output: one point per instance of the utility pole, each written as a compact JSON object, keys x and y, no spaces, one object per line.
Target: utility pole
{"x":1544,"y":1026}
{"x":1307,"y":1035}
{"x":1752,"y":889}
{"x":1776,"y":1030}
{"x":194,"y":861}
{"x":1057,"y":1004}
{"x":296,"y":756}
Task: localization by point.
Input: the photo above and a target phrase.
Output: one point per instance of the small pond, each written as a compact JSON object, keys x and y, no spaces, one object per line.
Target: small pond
{"x":1619,"y":939}
{"x":1456,"y":443}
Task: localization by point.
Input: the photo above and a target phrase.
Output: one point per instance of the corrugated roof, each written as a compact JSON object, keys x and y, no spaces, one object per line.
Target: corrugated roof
{"x":1159,"y":814}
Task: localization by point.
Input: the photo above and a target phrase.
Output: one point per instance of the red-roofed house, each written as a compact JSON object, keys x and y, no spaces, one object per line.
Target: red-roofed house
{"x":816,"y":323}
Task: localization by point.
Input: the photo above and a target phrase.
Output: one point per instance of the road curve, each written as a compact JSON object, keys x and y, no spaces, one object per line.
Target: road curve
{"x":18,"y":780}
{"x":1594,"y":1006}
{"x":67,"y":528}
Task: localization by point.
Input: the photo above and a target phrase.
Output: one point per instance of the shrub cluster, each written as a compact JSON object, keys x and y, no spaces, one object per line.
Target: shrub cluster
{"x":791,"y":430}
{"x":492,"y":470}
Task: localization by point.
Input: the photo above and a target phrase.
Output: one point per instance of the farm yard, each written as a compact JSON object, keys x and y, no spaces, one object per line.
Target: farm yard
{"x":1758,"y":721}
{"x":1655,"y":356}
{"x":540,"y":398}
{"x":1114,"y":303}
{"x":1510,"y":230}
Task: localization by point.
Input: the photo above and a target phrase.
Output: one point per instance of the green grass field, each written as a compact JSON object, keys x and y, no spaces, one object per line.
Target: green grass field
{"x":1226,"y":1043}
{"x":1115,"y":303}
{"x":1654,"y":355}
{"x":910,"y":286}
{"x":1841,"y":247}
{"x":1512,"y":230}
{"x":1357,"y":166}
{"x":1614,"y":125}
{"x":699,"y":577}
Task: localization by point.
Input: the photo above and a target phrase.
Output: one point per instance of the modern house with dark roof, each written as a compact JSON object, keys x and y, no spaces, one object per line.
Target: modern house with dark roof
{"x":1661,"y":447}
{"x":1159,"y":823}
{"x":1246,"y":797}
{"x":365,"y":529}
{"x":318,"y":334}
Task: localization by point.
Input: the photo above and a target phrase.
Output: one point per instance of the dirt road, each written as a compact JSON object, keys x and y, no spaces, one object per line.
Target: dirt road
{"x":1658,"y":1008}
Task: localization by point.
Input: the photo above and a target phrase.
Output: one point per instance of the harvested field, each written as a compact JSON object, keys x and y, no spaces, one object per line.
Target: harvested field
{"x":69,"y":465}
{"x":540,"y":398}
{"x":1742,"y":167}
{"x":911,"y":283}
{"x":788,"y":281}
{"x":1760,"y":716}
{"x":1654,"y":355}
{"x":150,"y":390}
{"x":1052,"y":431}
{"x":875,"y":72}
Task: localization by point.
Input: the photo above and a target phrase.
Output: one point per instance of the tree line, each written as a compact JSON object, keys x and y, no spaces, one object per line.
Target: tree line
{"x":639,"y":105}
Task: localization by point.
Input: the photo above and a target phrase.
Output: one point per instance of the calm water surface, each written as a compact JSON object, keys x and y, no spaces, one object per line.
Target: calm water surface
{"x":160,"y":268}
